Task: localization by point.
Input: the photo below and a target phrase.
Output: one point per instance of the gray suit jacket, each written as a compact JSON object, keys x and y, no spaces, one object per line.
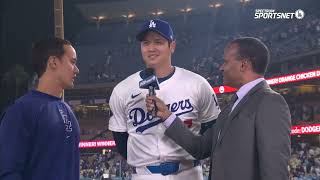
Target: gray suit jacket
{"x":251,"y":143}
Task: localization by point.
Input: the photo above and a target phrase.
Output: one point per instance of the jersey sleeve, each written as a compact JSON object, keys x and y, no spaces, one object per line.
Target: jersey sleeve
{"x":118,"y":120}
{"x":15,"y":142}
{"x":208,"y":103}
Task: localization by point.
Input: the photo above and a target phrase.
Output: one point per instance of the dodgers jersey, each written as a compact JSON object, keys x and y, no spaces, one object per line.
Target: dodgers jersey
{"x":187,"y":95}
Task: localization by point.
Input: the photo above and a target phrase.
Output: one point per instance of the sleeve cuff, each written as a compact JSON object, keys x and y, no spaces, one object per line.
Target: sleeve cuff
{"x":167,"y":123}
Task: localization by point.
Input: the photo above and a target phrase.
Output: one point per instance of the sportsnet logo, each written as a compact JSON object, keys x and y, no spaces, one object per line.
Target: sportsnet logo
{"x":271,"y":14}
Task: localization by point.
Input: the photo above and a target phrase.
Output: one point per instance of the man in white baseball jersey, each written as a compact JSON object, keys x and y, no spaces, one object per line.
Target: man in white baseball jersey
{"x":140,"y":136}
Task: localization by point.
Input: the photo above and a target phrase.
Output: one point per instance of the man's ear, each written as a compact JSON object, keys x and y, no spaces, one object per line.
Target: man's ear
{"x":173,"y":46}
{"x":242,"y":67}
{"x":245,"y":65}
{"x":52,"y":62}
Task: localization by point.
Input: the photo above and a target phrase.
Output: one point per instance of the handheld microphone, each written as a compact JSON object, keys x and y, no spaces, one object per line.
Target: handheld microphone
{"x":151,"y":83}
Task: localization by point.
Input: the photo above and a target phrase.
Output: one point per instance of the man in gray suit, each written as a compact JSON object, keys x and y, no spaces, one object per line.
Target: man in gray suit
{"x":251,"y":138}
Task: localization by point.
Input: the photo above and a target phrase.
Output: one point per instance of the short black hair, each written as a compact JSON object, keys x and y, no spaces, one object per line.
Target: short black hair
{"x":255,"y":51}
{"x":43,"y":49}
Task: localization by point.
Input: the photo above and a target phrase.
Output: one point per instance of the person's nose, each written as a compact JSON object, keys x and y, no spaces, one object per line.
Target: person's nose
{"x":151,"y":47}
{"x":77,"y":70}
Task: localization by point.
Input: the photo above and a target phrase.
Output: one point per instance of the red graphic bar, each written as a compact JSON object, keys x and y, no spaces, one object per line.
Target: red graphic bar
{"x":305,"y":129}
{"x":97,"y":144}
{"x":224,"y":89}
{"x":302,"y":76}
{"x":295,"y":130}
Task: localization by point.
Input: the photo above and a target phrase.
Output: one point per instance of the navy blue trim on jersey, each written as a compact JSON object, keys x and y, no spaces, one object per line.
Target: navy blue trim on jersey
{"x":121,"y":139}
{"x":160,"y":80}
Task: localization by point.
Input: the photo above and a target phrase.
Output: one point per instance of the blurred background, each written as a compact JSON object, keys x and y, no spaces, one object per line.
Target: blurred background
{"x":103,"y":33}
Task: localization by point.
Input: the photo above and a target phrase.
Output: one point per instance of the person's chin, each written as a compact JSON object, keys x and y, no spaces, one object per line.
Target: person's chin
{"x":153,"y":62}
{"x":70,"y":86}
{"x":152,"y":65}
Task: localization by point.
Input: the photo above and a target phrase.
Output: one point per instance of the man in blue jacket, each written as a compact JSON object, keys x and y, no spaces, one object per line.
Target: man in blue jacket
{"x":39,"y":134}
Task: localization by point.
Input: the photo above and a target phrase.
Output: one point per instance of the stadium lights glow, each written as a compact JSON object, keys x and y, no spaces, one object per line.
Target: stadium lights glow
{"x":244,"y":1}
{"x":129,"y":16}
{"x":186,"y":10}
{"x":98,"y":18}
{"x":157,"y":13}
{"x":215,"y":5}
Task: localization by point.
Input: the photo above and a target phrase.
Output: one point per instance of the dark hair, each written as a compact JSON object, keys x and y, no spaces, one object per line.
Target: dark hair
{"x":43,"y":49}
{"x":255,"y":51}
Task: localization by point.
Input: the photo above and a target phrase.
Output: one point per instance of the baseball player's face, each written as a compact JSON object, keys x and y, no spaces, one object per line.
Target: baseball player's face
{"x":231,"y":67}
{"x":156,"y":51}
{"x":66,"y":68}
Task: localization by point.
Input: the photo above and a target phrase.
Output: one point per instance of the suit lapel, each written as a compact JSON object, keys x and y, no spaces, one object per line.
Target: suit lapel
{"x":223,"y":116}
{"x":239,"y":106}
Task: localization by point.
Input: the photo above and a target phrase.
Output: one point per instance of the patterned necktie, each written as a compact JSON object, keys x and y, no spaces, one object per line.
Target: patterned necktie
{"x":234,"y":98}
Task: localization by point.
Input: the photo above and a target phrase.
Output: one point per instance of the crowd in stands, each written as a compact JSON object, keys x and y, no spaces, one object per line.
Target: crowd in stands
{"x":304,"y":108}
{"x":305,"y":113}
{"x":200,"y":51}
{"x":108,"y":164}
{"x":207,"y":68}
{"x":93,"y":122}
{"x":304,"y":164}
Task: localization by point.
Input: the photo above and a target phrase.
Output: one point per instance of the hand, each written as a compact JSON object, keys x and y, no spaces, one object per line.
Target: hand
{"x":162,"y":110}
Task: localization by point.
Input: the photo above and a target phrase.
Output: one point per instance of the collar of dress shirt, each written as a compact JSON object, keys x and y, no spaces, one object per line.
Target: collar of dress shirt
{"x":246,"y":88}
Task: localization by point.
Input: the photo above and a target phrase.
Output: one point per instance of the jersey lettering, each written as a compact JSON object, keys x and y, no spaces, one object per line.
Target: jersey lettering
{"x":140,"y":116}
{"x":66,"y":121}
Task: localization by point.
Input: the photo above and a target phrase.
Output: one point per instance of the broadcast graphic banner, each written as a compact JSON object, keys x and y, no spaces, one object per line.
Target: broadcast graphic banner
{"x":295,"y":130}
{"x":302,"y":76}
{"x":305,"y":129}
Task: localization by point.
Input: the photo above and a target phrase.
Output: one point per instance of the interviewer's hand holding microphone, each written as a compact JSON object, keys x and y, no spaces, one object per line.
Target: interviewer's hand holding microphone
{"x":154,"y":105}
{"x":153,"y":102}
